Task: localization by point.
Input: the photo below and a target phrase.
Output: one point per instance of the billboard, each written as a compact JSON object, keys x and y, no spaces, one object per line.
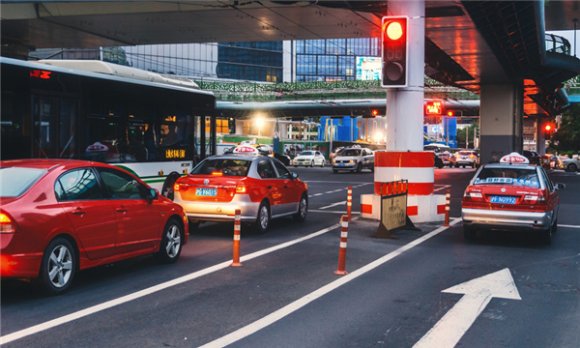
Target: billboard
{"x":368,"y":68}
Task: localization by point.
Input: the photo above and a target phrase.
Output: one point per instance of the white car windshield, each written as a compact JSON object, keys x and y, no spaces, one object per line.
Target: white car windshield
{"x":349,"y":152}
{"x":306,"y":153}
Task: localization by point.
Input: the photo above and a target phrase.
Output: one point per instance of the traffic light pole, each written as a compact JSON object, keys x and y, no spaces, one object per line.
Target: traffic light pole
{"x":405,"y":105}
{"x":540,"y":137}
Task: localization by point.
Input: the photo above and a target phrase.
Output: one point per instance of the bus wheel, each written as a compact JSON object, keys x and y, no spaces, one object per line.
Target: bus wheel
{"x":167,"y":189}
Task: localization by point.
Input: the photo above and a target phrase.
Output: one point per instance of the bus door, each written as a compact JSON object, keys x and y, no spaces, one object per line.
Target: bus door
{"x":54,"y":126}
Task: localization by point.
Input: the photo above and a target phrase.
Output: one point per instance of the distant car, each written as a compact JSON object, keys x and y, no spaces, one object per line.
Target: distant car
{"x":570,"y":164}
{"x":309,"y":159}
{"x":61,"y":216}
{"x":464,"y":158}
{"x":354,"y":159}
{"x":532,"y":156}
{"x":260,"y":186}
{"x":445,"y":157}
{"x":512,"y":194}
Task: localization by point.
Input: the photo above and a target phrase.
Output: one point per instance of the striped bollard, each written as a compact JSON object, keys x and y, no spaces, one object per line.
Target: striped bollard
{"x":349,"y":203}
{"x":447,"y":206}
{"x":236,"y":248}
{"x":341,"y":270}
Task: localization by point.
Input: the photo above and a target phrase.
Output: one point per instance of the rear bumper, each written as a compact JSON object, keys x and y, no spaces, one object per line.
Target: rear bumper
{"x":506,"y":219}
{"x":20,"y":265}
{"x":220,"y":211}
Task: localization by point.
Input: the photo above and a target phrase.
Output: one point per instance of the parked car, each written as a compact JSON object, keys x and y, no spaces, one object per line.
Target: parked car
{"x":354,"y":159}
{"x":512,"y":194}
{"x":260,"y":186}
{"x":310,"y":159}
{"x":62,"y":216}
{"x":464,"y":158}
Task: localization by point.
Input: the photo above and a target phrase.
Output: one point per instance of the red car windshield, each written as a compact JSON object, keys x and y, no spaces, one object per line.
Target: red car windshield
{"x":226,"y":167}
{"x":508,"y":176}
{"x":14,"y":181}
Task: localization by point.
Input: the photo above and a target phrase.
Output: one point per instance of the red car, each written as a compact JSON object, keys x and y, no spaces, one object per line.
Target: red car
{"x":61,"y":216}
{"x":260,"y":186}
{"x":511,"y":194}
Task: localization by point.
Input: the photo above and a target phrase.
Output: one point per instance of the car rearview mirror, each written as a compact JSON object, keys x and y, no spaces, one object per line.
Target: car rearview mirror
{"x":294,"y":175}
{"x":560,"y":186}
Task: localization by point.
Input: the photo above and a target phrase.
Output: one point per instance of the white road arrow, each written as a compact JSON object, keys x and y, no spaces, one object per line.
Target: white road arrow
{"x":478,"y":292}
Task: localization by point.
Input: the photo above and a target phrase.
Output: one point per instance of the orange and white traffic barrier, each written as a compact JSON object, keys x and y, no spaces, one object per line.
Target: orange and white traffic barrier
{"x":236,"y":248}
{"x":341,"y":269}
{"x":417,"y":169}
{"x":447,"y":206}
{"x":349,"y":203}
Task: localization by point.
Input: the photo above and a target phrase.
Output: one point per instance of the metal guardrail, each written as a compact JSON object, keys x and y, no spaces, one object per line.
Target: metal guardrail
{"x":557,"y":44}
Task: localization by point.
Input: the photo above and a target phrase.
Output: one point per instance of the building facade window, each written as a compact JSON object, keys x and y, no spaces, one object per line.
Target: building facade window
{"x":332,"y":59}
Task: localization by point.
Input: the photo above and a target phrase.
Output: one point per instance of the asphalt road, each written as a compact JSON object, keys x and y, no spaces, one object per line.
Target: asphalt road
{"x":287,"y":295}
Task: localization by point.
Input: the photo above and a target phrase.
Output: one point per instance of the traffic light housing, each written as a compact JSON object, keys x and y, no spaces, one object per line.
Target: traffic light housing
{"x":394,"y":51}
{"x":549,"y":128}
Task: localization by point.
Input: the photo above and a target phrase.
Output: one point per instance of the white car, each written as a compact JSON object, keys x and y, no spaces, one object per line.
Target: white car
{"x":570,"y":164}
{"x":309,"y":159}
{"x":354,"y":159}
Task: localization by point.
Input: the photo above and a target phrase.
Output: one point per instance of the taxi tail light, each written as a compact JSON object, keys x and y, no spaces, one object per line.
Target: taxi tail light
{"x":176,"y":187}
{"x":6,"y":224}
{"x":241,"y":188}
{"x":537,"y":200}
{"x":473,"y":195}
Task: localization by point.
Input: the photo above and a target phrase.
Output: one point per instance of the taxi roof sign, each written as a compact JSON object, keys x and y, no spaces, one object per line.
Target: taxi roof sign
{"x":514,"y":158}
{"x":246,"y":150}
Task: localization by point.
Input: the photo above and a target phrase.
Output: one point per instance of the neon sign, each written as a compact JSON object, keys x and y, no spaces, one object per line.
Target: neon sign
{"x":434,"y":107}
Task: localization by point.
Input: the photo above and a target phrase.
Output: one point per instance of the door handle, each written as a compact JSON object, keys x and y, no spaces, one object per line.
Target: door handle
{"x":121,"y":210}
{"x":269,"y":187}
{"x":79,"y":212}
{"x":285,"y":186}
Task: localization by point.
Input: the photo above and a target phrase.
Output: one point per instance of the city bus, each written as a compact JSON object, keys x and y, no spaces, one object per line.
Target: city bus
{"x":141,"y":121}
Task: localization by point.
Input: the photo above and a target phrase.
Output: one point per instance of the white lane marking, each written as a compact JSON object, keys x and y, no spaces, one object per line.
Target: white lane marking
{"x":301,"y":302}
{"x":477,"y":293}
{"x":333,"y":205}
{"x":569,"y":226}
{"x":332,"y":211}
{"x":334,"y":182}
{"x":441,"y":188}
{"x":153,"y":289}
{"x":337,"y":190}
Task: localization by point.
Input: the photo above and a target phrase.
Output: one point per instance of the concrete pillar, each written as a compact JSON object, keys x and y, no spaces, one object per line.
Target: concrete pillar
{"x":405,"y":105}
{"x":405,"y":158}
{"x":501,"y":121}
{"x":540,"y":138}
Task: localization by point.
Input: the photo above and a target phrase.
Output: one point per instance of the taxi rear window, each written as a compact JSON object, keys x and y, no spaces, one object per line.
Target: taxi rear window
{"x":349,"y":152}
{"x":227,"y":167}
{"x":508,"y":176}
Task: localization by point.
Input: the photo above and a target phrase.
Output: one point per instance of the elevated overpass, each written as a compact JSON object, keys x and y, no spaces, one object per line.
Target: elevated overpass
{"x":494,"y":48}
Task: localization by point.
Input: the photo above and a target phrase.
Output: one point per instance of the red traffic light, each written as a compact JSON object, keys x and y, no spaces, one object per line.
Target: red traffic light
{"x":548,"y":127}
{"x":394,"y":30}
{"x":394,"y":51}
{"x":375,"y":112}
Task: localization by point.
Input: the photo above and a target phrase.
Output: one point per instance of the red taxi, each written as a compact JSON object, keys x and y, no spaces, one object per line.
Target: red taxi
{"x":260,"y":186}
{"x":511,"y":194}
{"x":61,"y":216}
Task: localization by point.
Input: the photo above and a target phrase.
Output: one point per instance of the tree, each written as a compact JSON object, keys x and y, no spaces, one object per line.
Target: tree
{"x":567,"y":138}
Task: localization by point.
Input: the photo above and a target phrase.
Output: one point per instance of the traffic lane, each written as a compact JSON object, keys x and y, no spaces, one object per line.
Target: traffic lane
{"x":210,"y":245}
{"x":456,"y":179}
{"x":399,"y":302}
{"x":219,"y":302}
{"x":23,"y":305}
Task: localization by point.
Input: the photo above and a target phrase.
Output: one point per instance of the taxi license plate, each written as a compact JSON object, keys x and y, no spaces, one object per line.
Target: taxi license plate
{"x":341,"y":164}
{"x":206,"y":192}
{"x":503,"y":200}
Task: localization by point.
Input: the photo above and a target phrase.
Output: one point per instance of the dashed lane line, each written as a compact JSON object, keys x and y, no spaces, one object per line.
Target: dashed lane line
{"x":151,"y":290}
{"x":337,"y":190}
{"x":332,"y":211}
{"x":298,"y":304}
